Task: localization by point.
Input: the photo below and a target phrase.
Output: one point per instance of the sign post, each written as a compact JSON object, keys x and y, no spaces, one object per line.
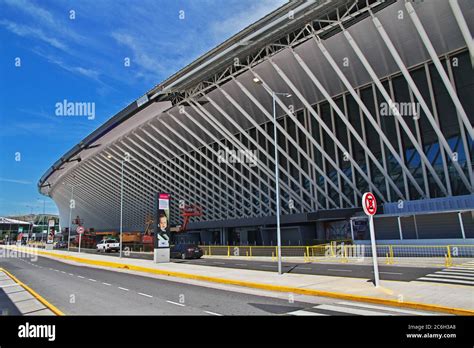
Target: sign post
{"x":369,"y":204}
{"x":80,"y":231}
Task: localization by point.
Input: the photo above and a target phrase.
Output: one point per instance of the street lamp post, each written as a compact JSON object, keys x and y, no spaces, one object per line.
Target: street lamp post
{"x":70,"y":214}
{"x":277,"y":169}
{"x":121,"y":207}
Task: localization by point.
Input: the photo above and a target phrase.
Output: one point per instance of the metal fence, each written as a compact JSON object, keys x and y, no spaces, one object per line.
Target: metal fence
{"x":421,"y":255}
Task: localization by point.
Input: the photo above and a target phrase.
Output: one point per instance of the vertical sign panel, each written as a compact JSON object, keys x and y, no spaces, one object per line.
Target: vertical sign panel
{"x":162,"y":221}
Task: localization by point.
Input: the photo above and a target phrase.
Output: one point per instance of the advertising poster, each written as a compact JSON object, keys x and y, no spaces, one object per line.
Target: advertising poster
{"x":162,"y":224}
{"x":51,"y":232}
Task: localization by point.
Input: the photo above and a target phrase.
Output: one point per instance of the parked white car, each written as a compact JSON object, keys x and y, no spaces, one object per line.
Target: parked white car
{"x":108,"y":245}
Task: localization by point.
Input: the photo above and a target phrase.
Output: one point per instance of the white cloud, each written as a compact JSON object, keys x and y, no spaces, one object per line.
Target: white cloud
{"x":14,"y":181}
{"x":37,"y":33}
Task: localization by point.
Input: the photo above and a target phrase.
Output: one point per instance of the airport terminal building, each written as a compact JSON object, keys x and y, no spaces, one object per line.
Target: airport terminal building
{"x":368,"y":95}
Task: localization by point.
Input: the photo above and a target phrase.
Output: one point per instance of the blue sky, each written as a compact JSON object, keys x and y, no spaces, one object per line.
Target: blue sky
{"x":82,"y":59}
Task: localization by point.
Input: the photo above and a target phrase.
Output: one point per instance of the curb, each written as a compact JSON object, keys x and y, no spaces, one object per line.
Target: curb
{"x":279,"y":288}
{"x":50,"y":306}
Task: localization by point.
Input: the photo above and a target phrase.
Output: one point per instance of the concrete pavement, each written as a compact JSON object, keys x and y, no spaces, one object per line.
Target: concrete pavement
{"x":402,"y":294}
{"x":16,"y":300}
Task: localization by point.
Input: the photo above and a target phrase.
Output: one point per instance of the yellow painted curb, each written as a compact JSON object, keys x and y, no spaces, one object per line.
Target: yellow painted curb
{"x":50,"y":306}
{"x":279,"y":288}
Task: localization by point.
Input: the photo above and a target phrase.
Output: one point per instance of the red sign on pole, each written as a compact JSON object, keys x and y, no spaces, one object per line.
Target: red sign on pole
{"x":80,"y":229}
{"x":369,"y":203}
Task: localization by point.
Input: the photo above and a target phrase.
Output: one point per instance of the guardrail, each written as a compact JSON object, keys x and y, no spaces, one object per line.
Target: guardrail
{"x":428,"y":255}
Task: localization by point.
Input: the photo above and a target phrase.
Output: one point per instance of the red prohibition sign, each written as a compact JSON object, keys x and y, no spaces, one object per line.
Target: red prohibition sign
{"x":369,"y":203}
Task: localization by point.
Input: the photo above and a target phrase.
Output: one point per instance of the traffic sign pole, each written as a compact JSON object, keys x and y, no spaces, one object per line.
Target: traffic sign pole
{"x":80,"y":230}
{"x":374,"y":251}
{"x":369,"y":204}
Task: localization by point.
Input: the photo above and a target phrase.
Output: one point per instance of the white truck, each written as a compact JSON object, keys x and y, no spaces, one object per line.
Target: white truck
{"x":108,"y":245}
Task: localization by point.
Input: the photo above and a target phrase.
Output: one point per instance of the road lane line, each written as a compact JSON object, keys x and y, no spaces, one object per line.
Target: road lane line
{"x":390,"y":309}
{"x":106,"y":284}
{"x":267,"y":266}
{"x":63,"y":272}
{"x":176,"y":303}
{"x":456,"y":273}
{"x":146,"y":295}
{"x":71,"y":274}
{"x":124,"y":289}
{"x":447,"y":280}
{"x":213,"y":313}
{"x":390,"y":272}
{"x":219,"y":263}
{"x":446,"y":276}
{"x":349,"y":310}
{"x":340,"y":270}
{"x":81,"y":277}
{"x":92,"y":280}
{"x":303,"y":268}
{"x":305,"y":313}
{"x":240,"y":264}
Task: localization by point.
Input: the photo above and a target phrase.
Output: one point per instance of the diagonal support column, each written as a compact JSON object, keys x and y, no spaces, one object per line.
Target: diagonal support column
{"x":442,"y":73}
{"x":424,"y":106}
{"x":394,"y":109}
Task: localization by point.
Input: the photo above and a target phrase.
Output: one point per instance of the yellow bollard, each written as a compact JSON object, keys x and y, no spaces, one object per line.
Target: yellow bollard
{"x":273,"y":256}
{"x":250,"y":251}
{"x":228,"y":251}
{"x":210,"y":251}
{"x":448,"y":261}
{"x":247,"y":253}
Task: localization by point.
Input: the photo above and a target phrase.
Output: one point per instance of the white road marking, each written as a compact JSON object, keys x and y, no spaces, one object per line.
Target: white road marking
{"x":106,"y":284}
{"x":456,"y":273}
{"x":141,"y":293}
{"x":268,"y":266}
{"x":71,"y":274}
{"x":56,"y":270}
{"x":385,"y":308}
{"x":63,"y":272}
{"x":81,"y":277}
{"x":446,"y":276}
{"x":219,"y":263}
{"x":390,"y":272}
{"x":176,"y":303}
{"x":240,"y":264}
{"x":213,"y":313}
{"x":124,"y":289}
{"x":304,"y":268}
{"x":447,"y":280}
{"x":458,"y":269}
{"x":92,"y":280}
{"x":305,"y":313}
{"x":350,"y":310}
{"x":340,"y":270}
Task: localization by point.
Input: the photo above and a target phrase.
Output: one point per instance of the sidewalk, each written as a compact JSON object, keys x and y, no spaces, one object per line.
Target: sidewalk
{"x":16,"y":300}
{"x":444,"y":298}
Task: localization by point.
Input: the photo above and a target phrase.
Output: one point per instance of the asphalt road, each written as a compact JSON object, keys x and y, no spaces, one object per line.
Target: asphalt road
{"x":82,"y":290}
{"x":400,"y":273}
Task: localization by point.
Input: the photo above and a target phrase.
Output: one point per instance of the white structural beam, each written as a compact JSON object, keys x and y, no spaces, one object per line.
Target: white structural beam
{"x":463,"y":27}
{"x":425,"y":108}
{"x":394,"y":109}
{"x":294,"y":143}
{"x":343,"y":117}
{"x":442,"y":73}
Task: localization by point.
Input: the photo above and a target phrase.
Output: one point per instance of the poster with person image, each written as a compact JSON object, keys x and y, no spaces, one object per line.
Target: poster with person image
{"x":162,"y":224}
